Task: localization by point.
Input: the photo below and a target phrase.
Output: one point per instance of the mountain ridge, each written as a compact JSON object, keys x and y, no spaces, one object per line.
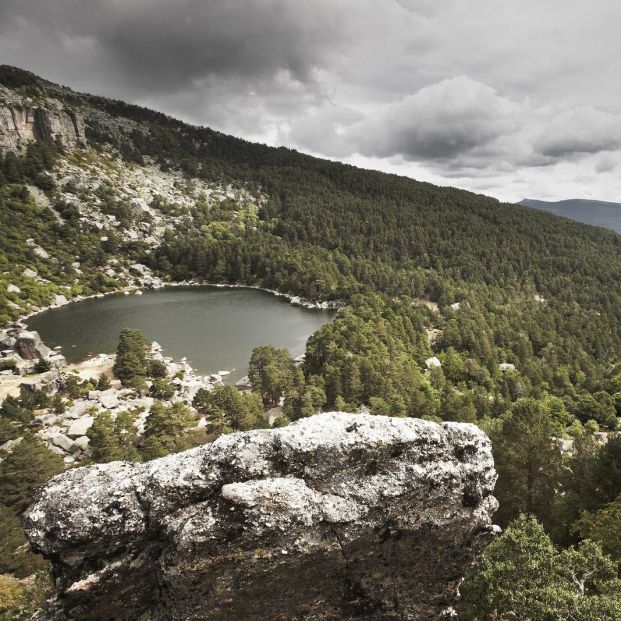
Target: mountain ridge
{"x":605,"y":214}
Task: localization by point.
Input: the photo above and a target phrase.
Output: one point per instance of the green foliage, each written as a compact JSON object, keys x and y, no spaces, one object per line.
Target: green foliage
{"x":130,"y":365}
{"x":113,"y":439}
{"x":604,"y":527}
{"x":103,"y":383}
{"x":8,"y":365}
{"x":162,"y":389}
{"x":15,"y":555}
{"x":281,"y":421}
{"x":13,"y":77}
{"x":227,"y":409}
{"x":156,"y":369}
{"x":42,"y":366}
{"x":305,"y":397}
{"x":12,"y":409}
{"x":523,"y":576}
{"x":29,"y":466}
{"x":528,"y":461}
{"x":9,"y":430}
{"x":168,"y":429}
{"x":389,"y":248}
{"x":372,"y":354}
{"x":33,"y":399}
{"x":21,"y":599}
{"x":271,"y":373}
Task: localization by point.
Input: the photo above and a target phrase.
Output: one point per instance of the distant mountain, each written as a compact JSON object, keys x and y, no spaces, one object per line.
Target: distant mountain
{"x":598,"y":213}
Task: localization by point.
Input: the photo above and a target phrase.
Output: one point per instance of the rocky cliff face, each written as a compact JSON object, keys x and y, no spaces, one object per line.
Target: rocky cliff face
{"x":22,"y":121}
{"x":338,"y":516}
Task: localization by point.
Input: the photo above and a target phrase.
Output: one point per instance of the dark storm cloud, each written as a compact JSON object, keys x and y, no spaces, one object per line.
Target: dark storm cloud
{"x":164,"y":45}
{"x":485,"y":96}
{"x":439,"y":122}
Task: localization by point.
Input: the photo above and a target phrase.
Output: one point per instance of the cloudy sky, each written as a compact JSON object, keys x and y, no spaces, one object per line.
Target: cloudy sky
{"x":513,"y":99}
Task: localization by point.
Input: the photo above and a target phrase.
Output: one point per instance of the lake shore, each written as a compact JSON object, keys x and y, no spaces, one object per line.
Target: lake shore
{"x":136,"y":290}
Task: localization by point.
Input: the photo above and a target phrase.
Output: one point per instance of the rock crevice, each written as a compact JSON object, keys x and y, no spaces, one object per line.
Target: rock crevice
{"x":337,"y":516}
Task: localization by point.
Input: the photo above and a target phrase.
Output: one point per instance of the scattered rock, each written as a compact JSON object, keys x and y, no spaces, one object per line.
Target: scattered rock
{"x":28,"y":273}
{"x":47,"y":382}
{"x":109,"y":399}
{"x":432,"y":362}
{"x":80,"y":426}
{"x":78,"y":409}
{"x":13,"y":289}
{"x":46,"y":420}
{"x":9,"y":445}
{"x":506,"y":366}
{"x":42,"y":254}
{"x":79,"y":444}
{"x":62,"y":441}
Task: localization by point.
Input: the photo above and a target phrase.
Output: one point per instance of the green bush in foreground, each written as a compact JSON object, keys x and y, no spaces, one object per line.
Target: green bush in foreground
{"x":523,"y":576}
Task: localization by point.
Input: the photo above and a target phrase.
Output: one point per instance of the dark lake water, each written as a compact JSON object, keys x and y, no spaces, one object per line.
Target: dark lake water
{"x":215,"y":328}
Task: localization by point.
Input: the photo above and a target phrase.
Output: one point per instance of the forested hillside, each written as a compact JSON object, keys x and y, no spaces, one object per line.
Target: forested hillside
{"x":521,"y":309}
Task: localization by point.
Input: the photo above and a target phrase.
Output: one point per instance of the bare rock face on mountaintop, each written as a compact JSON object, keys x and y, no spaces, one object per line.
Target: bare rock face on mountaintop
{"x":22,"y":122}
{"x":337,"y":516}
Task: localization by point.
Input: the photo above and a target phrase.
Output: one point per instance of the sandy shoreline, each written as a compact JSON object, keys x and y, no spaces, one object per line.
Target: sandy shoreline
{"x":90,"y":368}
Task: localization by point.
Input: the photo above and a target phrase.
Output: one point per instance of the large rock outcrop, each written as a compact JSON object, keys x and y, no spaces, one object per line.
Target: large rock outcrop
{"x":22,"y":121}
{"x":337,"y":516}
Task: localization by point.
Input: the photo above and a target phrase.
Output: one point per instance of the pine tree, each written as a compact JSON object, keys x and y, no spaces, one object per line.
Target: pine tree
{"x":15,"y":554}
{"x":528,"y":461}
{"x":29,"y":466}
{"x":113,"y":439}
{"x":168,"y":430}
{"x":271,"y":373}
{"x":131,"y":363}
{"x":11,"y":168}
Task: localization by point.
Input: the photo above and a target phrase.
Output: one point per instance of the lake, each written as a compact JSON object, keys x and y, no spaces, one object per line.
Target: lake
{"x":215,"y":328}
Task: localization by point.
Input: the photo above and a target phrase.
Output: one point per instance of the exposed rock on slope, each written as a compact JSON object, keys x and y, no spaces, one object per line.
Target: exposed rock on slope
{"x":22,"y":121}
{"x":338,"y":516}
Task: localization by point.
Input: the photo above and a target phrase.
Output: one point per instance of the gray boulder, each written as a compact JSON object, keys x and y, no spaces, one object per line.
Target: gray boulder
{"x":109,"y":399}
{"x":79,"y":445}
{"x":29,"y":346}
{"x":59,"y":300}
{"x":80,"y":426}
{"x":337,"y":516}
{"x":62,"y":441}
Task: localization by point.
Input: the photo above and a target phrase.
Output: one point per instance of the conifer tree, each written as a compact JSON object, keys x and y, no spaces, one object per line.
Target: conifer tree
{"x":29,"y":466}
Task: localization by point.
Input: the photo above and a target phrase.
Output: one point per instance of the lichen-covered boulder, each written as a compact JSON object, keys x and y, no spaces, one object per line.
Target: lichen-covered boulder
{"x":337,"y":516}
